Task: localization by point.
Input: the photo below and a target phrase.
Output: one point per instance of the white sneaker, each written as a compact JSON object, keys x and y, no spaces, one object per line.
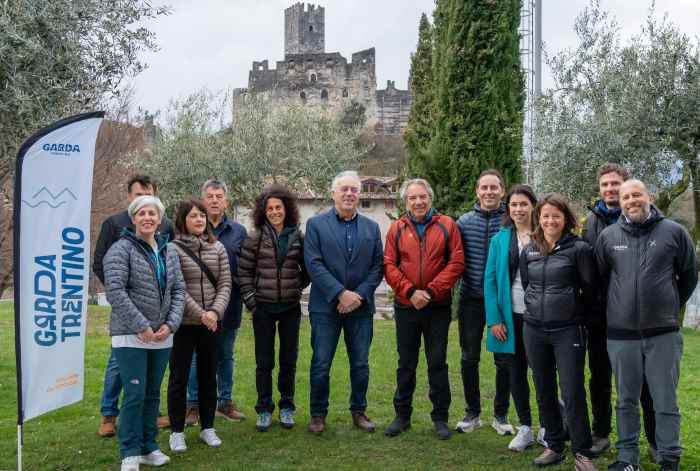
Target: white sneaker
{"x":131,"y":463}
{"x":540,"y":438}
{"x":209,"y":436}
{"x":468,"y":424}
{"x":155,"y":458}
{"x":502,"y":427}
{"x":522,"y":440}
{"x":177,"y":442}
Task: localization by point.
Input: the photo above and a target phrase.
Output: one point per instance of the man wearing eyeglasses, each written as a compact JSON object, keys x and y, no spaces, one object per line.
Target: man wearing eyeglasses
{"x":343,"y":256}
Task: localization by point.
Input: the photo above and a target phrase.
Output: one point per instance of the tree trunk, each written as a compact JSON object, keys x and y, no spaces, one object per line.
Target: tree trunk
{"x":695,"y":185}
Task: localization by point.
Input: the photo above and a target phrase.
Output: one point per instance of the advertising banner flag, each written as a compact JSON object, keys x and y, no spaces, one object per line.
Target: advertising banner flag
{"x":53,"y":190}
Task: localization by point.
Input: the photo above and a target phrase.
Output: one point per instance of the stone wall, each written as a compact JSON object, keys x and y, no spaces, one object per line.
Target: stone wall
{"x":304,"y":29}
{"x":393,"y":107}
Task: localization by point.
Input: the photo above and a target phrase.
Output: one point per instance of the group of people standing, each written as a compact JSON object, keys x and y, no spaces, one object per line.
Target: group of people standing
{"x":544,"y":295}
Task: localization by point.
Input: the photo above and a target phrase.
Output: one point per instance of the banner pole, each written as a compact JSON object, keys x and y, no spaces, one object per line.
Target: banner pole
{"x":19,"y":447}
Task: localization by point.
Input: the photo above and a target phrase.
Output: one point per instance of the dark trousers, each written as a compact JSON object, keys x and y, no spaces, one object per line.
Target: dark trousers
{"x":433,"y":323}
{"x":265,"y":326}
{"x":142,"y":371}
{"x":563,"y":351}
{"x":600,"y":384}
{"x":519,"y":385}
{"x":472,"y":320}
{"x":648,"y":414}
{"x":187,"y":340}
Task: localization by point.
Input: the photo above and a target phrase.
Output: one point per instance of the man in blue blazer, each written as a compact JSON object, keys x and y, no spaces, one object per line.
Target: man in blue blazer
{"x":343,"y":256}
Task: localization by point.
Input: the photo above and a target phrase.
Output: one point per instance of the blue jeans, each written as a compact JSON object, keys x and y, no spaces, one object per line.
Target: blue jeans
{"x":143,"y":370}
{"x":325,"y":333}
{"x":226,"y":338}
{"x":111,"y":389}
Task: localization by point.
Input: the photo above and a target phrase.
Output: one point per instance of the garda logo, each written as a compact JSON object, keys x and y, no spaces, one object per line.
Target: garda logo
{"x":61,"y":149}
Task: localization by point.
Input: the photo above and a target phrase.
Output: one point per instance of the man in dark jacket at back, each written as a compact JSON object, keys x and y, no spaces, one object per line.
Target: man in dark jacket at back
{"x":110,"y":232}
{"x":649,"y":267}
{"x":477,"y":227}
{"x":605,"y":212}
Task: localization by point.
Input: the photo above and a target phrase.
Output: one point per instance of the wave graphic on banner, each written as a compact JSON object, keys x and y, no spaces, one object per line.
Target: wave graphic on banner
{"x":54,"y":201}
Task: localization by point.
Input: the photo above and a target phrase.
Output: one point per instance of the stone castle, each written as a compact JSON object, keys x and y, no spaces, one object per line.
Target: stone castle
{"x":315,"y":77}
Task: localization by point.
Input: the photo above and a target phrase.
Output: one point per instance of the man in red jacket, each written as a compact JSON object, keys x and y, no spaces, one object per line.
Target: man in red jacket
{"x":423,"y":259}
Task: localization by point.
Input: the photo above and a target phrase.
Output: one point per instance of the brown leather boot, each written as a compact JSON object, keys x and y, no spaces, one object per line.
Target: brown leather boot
{"x":317,"y":424}
{"x":108,"y":426}
{"x":192,"y":416}
{"x":362,"y":422}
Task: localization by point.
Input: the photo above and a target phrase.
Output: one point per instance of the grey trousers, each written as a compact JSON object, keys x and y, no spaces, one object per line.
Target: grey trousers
{"x":659,"y":360}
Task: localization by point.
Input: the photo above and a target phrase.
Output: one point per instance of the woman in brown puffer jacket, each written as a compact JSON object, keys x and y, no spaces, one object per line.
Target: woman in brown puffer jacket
{"x":271,"y":276}
{"x":207,"y":295}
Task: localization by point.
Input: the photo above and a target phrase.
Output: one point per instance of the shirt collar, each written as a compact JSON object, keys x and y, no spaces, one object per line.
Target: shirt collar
{"x":342,"y":219}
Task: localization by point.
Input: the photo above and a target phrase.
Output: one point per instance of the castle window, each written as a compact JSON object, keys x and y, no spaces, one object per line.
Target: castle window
{"x":311,"y":28}
{"x":302,"y":95}
{"x":345,"y":92}
{"x":324,"y":94}
{"x":366,"y":204}
{"x":313,"y":77}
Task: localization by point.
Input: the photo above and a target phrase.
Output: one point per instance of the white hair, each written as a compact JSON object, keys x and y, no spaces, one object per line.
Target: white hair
{"x":416,"y":181}
{"x":215,"y":184}
{"x":346,"y":173}
{"x":146,"y":200}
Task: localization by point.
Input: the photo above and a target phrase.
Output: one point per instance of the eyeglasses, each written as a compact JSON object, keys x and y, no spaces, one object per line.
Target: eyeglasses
{"x":351,"y":189}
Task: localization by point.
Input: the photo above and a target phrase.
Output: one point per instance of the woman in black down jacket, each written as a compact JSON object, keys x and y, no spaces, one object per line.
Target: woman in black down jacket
{"x":271,"y":276}
{"x":558,"y":273}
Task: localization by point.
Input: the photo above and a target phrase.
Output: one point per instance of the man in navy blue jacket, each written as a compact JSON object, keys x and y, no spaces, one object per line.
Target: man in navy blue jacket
{"x":343,"y":256}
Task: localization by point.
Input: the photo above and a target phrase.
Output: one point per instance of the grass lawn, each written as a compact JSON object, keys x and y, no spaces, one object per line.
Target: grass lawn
{"x":66,"y":439}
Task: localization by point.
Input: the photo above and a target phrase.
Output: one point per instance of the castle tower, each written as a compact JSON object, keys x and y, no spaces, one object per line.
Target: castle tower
{"x":304,"y":29}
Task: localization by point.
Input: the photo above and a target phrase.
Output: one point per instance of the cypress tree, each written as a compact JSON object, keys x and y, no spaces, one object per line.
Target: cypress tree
{"x":479,"y":97}
{"x":420,"y":120}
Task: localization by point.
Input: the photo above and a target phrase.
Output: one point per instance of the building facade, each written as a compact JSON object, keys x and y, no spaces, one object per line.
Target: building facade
{"x":310,"y":75}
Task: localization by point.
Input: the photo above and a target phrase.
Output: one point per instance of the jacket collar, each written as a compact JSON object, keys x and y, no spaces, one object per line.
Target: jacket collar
{"x":492,"y":212}
{"x":655,"y":216}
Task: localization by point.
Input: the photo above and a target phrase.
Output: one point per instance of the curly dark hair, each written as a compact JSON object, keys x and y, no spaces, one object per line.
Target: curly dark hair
{"x":183,"y":209}
{"x":281,"y":192}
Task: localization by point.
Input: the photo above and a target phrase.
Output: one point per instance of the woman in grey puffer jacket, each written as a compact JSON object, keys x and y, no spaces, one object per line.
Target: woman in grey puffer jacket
{"x":206,"y":298}
{"x":145,"y":287}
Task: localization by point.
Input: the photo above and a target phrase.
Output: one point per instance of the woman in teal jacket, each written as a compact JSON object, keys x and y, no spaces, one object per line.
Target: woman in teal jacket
{"x":505,"y":303}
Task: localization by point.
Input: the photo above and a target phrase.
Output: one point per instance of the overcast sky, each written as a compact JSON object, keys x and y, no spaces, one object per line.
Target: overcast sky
{"x":212,"y":43}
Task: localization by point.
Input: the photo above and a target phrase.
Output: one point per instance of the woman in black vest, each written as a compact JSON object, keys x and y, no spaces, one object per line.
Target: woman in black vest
{"x":272,"y":276}
{"x":558,"y":272}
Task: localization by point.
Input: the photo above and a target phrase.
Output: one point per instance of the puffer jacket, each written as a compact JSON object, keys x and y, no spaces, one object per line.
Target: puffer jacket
{"x":201,"y":295}
{"x":433,"y":262}
{"x":477,"y":227}
{"x":132,"y":288}
{"x":559,"y":287}
{"x":650,"y":271}
{"x":260,"y":276}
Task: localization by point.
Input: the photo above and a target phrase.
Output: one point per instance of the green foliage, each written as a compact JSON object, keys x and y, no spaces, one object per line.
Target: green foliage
{"x":420,"y":119}
{"x":301,"y":146}
{"x":637,"y":104}
{"x":63,"y":57}
{"x":477,"y":99}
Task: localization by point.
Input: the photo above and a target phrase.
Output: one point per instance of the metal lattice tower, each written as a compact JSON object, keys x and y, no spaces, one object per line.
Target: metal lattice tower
{"x":531,"y":62}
